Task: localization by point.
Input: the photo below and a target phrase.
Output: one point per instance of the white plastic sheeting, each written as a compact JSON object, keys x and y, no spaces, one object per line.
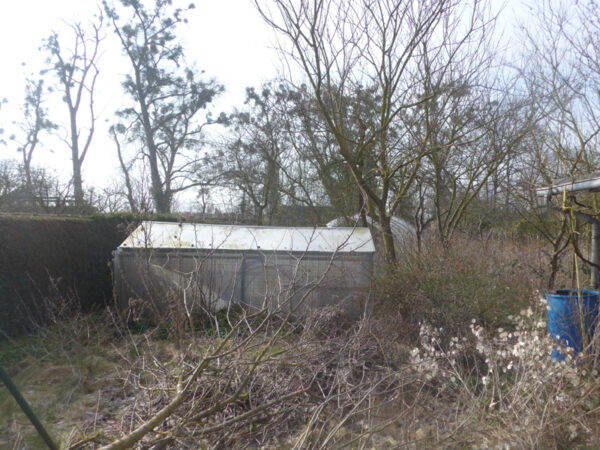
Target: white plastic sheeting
{"x":401,"y":229}
{"x":163,"y":235}
{"x":208,"y":267}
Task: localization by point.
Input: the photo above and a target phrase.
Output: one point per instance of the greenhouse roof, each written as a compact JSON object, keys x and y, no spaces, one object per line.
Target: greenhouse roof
{"x":166,"y":235}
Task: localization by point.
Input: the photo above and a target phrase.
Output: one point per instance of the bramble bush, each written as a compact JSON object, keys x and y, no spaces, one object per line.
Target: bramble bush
{"x":449,"y":285}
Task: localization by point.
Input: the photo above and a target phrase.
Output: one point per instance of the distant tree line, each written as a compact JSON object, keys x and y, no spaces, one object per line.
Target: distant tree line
{"x":409,"y":109}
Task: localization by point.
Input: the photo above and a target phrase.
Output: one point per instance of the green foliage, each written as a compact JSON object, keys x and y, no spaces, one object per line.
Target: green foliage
{"x":220,"y":324}
{"x":10,"y":354}
{"x":212,"y":331}
{"x":139,"y":327}
{"x":229,"y":315}
{"x":164,"y":331}
{"x":59,"y":369}
{"x":215,"y":326}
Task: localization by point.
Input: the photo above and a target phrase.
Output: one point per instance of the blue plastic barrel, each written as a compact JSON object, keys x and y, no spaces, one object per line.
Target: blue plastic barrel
{"x":563,"y":317}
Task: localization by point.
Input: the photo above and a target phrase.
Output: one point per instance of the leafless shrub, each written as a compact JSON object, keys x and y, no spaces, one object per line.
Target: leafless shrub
{"x":523,"y":398}
{"x":248,"y":396}
{"x":447,"y":286}
{"x":260,"y":378}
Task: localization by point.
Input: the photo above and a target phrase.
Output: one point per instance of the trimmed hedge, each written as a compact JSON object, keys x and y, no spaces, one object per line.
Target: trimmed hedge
{"x":39,"y":252}
{"x":44,"y":258}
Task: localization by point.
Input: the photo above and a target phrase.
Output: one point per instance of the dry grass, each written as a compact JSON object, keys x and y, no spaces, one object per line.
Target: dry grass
{"x":62,"y":371}
{"x":324,"y":381}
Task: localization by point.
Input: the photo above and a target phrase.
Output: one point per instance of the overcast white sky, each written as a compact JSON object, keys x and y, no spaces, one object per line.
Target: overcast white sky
{"x":226,"y":38}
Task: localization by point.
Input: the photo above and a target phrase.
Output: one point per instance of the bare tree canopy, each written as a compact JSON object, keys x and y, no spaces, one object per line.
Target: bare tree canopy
{"x":371,"y":51}
{"x":77,"y":71}
{"x":34,"y":124}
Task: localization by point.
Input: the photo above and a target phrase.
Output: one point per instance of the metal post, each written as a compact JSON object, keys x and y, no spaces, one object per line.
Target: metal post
{"x":595,"y":253}
{"x":243,"y":279}
{"x":26,"y":408}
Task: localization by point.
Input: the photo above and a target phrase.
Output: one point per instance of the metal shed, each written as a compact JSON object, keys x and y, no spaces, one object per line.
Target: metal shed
{"x":205,"y":266}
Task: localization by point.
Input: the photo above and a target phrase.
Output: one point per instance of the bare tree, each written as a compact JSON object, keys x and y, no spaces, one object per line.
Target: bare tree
{"x":282,"y":159}
{"x":251,"y":159}
{"x":9,"y":178}
{"x":343,"y":47}
{"x":167,"y":97}
{"x":77,"y":71}
{"x":35,"y":123}
{"x":326,"y":175}
{"x":461,"y":169}
{"x":562,"y":75}
{"x":46,"y":193}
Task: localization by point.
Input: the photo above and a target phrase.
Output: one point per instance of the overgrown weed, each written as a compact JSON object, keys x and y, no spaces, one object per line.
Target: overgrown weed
{"x":449,"y":285}
{"x":519,"y":397}
{"x":467,"y":377}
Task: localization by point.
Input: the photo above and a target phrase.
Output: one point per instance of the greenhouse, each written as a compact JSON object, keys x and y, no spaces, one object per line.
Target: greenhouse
{"x":208,"y":267}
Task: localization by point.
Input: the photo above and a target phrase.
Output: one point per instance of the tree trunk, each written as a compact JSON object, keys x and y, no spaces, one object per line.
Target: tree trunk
{"x":162,"y":200}
{"x":130,"y":195}
{"x":362,"y":209}
{"x":27,"y":170}
{"x":259,"y":214}
{"x":77,"y":182}
{"x":388,"y":238}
